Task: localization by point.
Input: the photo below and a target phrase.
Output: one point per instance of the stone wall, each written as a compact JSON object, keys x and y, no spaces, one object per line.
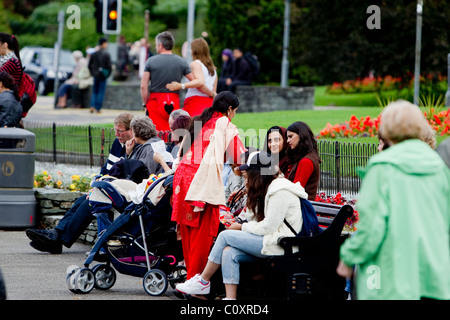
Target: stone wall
{"x":54,"y":203}
{"x":274,"y":98}
{"x":127,"y":96}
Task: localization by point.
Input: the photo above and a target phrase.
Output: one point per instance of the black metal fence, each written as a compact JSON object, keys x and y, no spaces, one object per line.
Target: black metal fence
{"x":90,"y":145}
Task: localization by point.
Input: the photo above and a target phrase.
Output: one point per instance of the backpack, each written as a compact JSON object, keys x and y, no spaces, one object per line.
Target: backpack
{"x":27,"y":93}
{"x":310,"y":225}
{"x":253,"y":61}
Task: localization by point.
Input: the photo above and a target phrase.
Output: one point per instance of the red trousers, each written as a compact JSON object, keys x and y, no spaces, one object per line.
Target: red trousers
{"x":159,"y":107}
{"x":196,"y":104}
{"x":197,"y":242}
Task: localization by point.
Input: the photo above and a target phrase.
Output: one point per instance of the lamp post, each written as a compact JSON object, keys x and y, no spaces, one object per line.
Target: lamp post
{"x":285,"y":61}
{"x":418,"y":49}
{"x":190,"y":28}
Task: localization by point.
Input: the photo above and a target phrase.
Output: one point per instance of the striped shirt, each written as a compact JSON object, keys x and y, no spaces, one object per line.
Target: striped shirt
{"x":13,"y":67}
{"x":116,"y":153}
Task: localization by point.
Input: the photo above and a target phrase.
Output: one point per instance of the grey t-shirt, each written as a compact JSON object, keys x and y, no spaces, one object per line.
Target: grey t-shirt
{"x":165,"y":68}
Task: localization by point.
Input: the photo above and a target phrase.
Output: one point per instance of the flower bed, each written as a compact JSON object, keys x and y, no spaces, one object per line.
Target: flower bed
{"x":368,"y":127}
{"x":367,"y":84}
{"x":63,"y":177}
{"x":341,"y":200}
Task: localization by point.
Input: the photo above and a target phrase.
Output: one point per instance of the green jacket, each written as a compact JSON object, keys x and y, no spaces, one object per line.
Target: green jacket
{"x":401,"y":248}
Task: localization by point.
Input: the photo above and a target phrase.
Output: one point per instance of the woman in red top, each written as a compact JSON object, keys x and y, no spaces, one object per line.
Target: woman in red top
{"x":303,"y":163}
{"x":197,"y":184}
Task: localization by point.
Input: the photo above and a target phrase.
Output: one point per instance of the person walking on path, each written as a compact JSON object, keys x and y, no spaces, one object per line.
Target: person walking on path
{"x":161,"y":69}
{"x":100,"y":68}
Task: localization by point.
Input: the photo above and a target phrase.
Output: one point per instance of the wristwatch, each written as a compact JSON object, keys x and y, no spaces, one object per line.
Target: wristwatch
{"x":183,"y":86}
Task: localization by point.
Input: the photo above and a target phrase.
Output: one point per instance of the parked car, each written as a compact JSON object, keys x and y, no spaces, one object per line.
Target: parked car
{"x":39,"y":64}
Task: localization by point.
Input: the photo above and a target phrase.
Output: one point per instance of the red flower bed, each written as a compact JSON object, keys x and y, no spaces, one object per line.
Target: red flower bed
{"x":368,"y":127}
{"x":340,"y":200}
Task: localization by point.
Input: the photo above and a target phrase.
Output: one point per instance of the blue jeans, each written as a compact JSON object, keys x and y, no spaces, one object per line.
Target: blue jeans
{"x":231,"y":248}
{"x":98,"y":93}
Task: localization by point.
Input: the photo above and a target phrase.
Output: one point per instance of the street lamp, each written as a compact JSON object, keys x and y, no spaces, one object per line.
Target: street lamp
{"x":285,"y":61}
{"x":418,"y":49}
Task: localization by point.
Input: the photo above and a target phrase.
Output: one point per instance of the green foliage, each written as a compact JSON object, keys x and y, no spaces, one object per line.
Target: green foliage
{"x":41,"y":28}
{"x":253,"y":25}
{"x":332,"y":38}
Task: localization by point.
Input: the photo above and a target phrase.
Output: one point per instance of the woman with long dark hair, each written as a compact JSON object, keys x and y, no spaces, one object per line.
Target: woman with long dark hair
{"x":304,"y":160}
{"x":276,"y":144}
{"x":197,"y":184}
{"x":10,"y":107}
{"x":272,"y":199}
{"x":9,"y":56}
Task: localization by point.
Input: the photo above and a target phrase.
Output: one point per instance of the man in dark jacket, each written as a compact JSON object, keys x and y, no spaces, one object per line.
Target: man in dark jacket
{"x":100,"y":68}
{"x":76,"y":220}
{"x":241,"y":73}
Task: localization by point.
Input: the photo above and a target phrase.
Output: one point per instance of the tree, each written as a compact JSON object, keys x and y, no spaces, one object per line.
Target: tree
{"x":335,"y":43}
{"x":253,"y":25}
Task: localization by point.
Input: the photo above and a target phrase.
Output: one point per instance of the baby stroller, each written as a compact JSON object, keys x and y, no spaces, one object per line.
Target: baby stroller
{"x":136,"y":233}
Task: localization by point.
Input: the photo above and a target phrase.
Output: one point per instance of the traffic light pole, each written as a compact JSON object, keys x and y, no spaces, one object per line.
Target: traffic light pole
{"x":57,"y":50}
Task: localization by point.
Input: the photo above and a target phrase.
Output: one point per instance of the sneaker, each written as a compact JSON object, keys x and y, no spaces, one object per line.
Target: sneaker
{"x":46,"y":236}
{"x":194,"y":286}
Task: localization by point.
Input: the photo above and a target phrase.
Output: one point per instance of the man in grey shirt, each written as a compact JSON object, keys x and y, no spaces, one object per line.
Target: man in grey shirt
{"x":160,"y":70}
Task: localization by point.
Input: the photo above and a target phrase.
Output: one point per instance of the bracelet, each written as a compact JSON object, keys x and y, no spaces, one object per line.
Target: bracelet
{"x":183,"y":86}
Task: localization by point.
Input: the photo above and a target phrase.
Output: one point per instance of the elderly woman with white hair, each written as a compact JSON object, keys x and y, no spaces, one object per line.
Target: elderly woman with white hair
{"x":145,"y":143}
{"x":65,"y":90}
{"x":402,"y":244}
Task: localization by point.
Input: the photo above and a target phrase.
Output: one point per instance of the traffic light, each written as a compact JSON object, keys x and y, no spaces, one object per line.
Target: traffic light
{"x":98,"y":14}
{"x":112,"y":15}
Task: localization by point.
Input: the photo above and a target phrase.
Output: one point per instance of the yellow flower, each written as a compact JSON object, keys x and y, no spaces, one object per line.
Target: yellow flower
{"x":45,"y":172}
{"x":59,"y":183}
{"x":72,"y":187}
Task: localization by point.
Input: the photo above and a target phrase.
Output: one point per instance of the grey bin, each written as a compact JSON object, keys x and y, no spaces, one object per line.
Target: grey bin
{"x":18,"y":204}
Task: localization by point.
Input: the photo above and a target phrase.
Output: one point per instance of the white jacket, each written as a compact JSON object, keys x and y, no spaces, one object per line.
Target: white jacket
{"x":281,"y":202}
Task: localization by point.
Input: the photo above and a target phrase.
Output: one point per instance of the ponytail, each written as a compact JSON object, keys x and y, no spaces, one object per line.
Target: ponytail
{"x":13,"y":43}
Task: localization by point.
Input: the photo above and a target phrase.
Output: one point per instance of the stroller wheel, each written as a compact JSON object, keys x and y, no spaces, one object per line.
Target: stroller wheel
{"x":82,"y":281}
{"x":177,"y":276}
{"x":104,"y":276}
{"x":155,"y":282}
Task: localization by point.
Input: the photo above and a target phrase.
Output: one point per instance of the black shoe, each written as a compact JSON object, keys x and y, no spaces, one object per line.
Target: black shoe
{"x":53,"y":249}
{"x":48,"y":237}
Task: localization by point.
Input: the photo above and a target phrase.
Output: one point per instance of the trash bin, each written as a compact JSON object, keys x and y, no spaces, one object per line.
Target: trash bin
{"x":18,"y":203}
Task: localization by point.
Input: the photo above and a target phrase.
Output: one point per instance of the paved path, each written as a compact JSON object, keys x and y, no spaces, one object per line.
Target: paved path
{"x":34,"y":275}
{"x":43,"y":110}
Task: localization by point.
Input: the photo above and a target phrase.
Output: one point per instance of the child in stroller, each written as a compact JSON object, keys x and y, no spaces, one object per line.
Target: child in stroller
{"x":137,"y":234}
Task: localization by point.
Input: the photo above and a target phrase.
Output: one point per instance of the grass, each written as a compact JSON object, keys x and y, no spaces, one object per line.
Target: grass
{"x":316,"y":119}
{"x":251,"y":124}
{"x":322,"y":98}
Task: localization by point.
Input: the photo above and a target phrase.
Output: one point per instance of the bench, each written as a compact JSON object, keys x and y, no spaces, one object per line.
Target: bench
{"x":310,"y":273}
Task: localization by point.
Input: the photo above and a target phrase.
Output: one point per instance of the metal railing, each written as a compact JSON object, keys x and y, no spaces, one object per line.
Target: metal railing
{"x":90,"y":145}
